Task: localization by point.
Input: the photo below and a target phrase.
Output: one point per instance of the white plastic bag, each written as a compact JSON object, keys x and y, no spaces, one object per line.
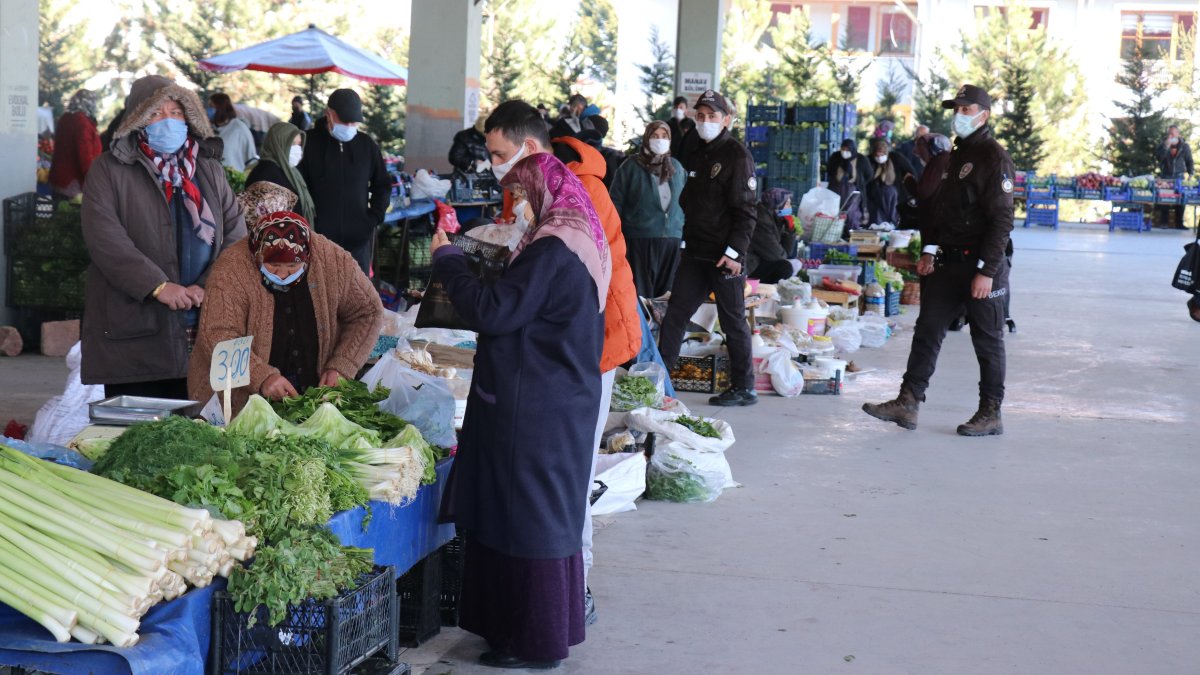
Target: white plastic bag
{"x":847,"y":337}
{"x":424,"y":401}
{"x":62,"y":417}
{"x":501,"y":235}
{"x":425,"y":186}
{"x":818,"y":201}
{"x":874,"y":330}
{"x":625,"y":476}
{"x":673,"y":475}
{"x":786,"y":378}
{"x":655,"y":373}
{"x":663,"y":423}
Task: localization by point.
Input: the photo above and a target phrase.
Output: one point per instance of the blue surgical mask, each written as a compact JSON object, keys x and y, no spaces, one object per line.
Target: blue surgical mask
{"x":783,"y":213}
{"x":964,"y":125}
{"x":212,"y":112}
{"x":343,"y":132}
{"x":278,"y":281}
{"x":166,"y":136}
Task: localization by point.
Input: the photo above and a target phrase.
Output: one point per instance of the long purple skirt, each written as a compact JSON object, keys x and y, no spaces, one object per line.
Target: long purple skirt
{"x":530,"y":609}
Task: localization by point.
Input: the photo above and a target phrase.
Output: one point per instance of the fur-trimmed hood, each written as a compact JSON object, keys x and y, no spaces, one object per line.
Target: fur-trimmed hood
{"x":148,"y":93}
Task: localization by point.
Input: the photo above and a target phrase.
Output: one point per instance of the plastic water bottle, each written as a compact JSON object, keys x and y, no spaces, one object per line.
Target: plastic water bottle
{"x":875,"y":299}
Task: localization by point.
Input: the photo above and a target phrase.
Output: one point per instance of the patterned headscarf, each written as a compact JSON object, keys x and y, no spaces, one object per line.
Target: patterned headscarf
{"x":563,"y":209}
{"x":657,"y":165}
{"x":262,"y":198}
{"x":84,"y":102}
{"x":281,"y":237}
{"x":179,"y":169}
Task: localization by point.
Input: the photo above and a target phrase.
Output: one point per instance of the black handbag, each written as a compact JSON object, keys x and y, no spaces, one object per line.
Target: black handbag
{"x":1188,"y":270}
{"x":487,"y":263}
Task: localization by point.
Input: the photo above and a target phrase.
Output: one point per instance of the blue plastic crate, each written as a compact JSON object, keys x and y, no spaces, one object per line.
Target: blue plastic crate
{"x":1191,"y":195}
{"x":891,"y":305}
{"x":817,"y":251}
{"x":794,"y":140}
{"x":1118,"y":193}
{"x":1042,"y":213}
{"x":761,"y":154}
{"x":765,"y":114}
{"x":1087,"y":193}
{"x":1066,"y":192}
{"x":757,"y":134}
{"x":1141,"y":195}
{"x":818,"y":113}
{"x":868,"y":271}
{"x":1124,"y":218}
{"x":1041,"y":193}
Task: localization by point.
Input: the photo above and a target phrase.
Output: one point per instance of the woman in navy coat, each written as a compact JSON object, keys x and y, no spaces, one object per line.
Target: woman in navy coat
{"x":520,"y":478}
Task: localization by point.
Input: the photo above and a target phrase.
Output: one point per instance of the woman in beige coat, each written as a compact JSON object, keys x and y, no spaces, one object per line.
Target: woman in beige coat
{"x":157,"y":210}
{"x":312,"y":312}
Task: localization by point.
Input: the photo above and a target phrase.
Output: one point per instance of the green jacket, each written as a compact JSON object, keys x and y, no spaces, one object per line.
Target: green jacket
{"x":635,"y":194}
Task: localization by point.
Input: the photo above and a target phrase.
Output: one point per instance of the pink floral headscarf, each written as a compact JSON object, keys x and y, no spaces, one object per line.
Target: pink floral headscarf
{"x":562,"y":208}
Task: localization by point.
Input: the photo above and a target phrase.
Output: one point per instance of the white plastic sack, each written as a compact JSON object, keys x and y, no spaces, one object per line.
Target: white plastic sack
{"x":846,"y":337}
{"x":874,"y":330}
{"x":62,"y":417}
{"x":662,"y":423}
{"x":501,"y":235}
{"x":786,"y":378}
{"x":791,"y":290}
{"x":424,"y":401}
{"x":625,"y":476}
{"x":425,"y":186}
{"x":818,"y":201}
{"x":653,"y":372}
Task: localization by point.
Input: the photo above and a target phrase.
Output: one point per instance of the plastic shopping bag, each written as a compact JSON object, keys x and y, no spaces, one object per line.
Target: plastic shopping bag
{"x":62,"y":417}
{"x":664,"y":424}
{"x":786,"y":378}
{"x":425,"y":401}
{"x":673,"y":476}
{"x":427,"y":186}
{"x":628,"y":395}
{"x":625,"y":476}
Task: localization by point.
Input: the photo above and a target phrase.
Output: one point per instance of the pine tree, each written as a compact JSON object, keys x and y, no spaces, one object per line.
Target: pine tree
{"x":60,"y":54}
{"x":657,"y":79}
{"x":525,"y":56}
{"x":806,"y":65}
{"x":928,"y":93}
{"x":847,"y":76}
{"x":591,"y":49}
{"x":1136,"y":132}
{"x":890,"y":91}
{"x":1185,"y":85}
{"x":744,"y":61}
{"x":501,"y":74}
{"x":1018,"y":130}
{"x":383,"y":107}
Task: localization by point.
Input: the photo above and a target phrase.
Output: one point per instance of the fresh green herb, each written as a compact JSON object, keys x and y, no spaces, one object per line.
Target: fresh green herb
{"x":352,"y":399}
{"x":634,"y":391}
{"x":677,"y":483}
{"x":303,"y":563}
{"x":835,"y":257}
{"x":699,"y":426}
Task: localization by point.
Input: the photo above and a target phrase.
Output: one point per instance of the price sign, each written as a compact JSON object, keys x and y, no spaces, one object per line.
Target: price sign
{"x":230,"y":366}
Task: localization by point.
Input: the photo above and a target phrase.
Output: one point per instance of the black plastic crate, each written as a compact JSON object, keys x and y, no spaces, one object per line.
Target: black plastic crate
{"x":702,"y":374}
{"x":765,"y":114}
{"x":452,"y":571}
{"x":420,"y":594}
{"x":46,"y":282}
{"x":36,"y":225}
{"x":327,"y":637}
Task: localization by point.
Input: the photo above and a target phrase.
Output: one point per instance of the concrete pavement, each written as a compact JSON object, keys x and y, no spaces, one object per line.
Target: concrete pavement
{"x":1068,"y":545}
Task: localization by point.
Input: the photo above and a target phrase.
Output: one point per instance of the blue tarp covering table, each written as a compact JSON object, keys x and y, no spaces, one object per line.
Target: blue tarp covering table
{"x":175,"y":635}
{"x":419,"y":207}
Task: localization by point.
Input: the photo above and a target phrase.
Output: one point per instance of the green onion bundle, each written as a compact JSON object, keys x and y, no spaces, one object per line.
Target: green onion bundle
{"x":87,"y":557}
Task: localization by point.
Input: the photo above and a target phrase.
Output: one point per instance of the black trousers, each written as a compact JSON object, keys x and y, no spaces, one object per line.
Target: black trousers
{"x":945,"y":295}
{"x":654,"y":262}
{"x":694,"y":280}
{"x":772,"y":272}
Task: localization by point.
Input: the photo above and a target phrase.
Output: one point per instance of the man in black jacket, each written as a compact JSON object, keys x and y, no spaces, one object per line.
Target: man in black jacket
{"x":680,"y":126}
{"x":969,"y":235}
{"x":347,"y":178}
{"x":1174,"y":157}
{"x":469,"y":153}
{"x":718,"y":203}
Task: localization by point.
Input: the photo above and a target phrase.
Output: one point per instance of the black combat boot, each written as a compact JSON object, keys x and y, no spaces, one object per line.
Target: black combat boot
{"x":985,"y":422}
{"x":902,"y":410}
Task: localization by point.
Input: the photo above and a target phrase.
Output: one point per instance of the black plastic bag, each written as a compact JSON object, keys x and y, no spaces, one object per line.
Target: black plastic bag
{"x":1189,"y":268}
{"x":487,"y":262}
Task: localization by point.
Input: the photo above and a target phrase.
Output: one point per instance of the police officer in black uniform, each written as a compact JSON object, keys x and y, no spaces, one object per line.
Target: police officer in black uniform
{"x":719,"y":206}
{"x":965,"y":267}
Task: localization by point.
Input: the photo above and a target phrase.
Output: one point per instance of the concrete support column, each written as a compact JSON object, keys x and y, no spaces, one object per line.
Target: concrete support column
{"x":443,"y":87}
{"x":698,"y":46}
{"x":18,"y":109}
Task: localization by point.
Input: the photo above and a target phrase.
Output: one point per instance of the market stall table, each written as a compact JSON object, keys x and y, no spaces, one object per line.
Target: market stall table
{"x":175,"y":635}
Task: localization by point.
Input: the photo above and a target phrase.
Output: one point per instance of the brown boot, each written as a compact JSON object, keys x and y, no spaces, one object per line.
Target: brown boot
{"x":985,"y":422}
{"x":902,"y":410}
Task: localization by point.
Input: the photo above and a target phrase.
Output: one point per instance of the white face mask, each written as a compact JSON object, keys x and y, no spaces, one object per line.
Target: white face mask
{"x":882,"y":159}
{"x":501,"y":170}
{"x":520,"y":214}
{"x":846,"y":154}
{"x":295,"y":154}
{"x":964,"y":125}
{"x":679,"y":114}
{"x":660,"y":146}
{"x":343,"y":132}
{"x":709,"y":130}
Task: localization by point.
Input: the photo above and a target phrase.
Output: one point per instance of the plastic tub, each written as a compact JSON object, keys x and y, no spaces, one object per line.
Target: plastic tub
{"x":836,"y":272}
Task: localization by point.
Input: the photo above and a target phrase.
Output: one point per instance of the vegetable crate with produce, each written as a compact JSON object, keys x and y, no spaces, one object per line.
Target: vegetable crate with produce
{"x":765,"y":114}
{"x":1128,"y":217}
{"x":1041,"y":213}
{"x":316,"y":637}
{"x":702,"y":374}
{"x":47,"y":257}
{"x":1190,"y":190}
{"x":1166,"y":191}
{"x":1064,"y":187}
{"x":794,"y":159}
{"x":1141,"y":191}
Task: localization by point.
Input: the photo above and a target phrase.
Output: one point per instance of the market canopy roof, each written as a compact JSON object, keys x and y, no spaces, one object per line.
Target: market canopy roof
{"x":310,"y":52}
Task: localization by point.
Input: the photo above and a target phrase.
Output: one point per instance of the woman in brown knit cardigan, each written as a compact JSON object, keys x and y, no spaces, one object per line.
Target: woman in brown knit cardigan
{"x":313,"y":314}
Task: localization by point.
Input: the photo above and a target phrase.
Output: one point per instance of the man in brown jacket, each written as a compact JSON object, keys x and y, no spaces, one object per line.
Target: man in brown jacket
{"x":157,"y":210}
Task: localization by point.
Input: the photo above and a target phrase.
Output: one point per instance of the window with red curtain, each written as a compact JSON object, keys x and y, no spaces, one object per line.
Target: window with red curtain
{"x":896,"y":32}
{"x":858,"y":29}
